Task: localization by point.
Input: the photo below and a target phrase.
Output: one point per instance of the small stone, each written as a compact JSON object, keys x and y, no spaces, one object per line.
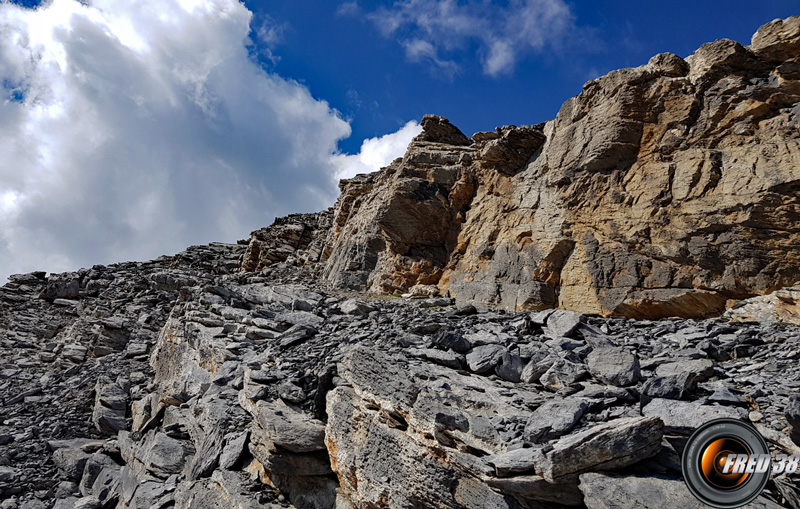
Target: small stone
{"x":553,"y":419}
{"x":562,"y":323}
{"x":510,"y":367}
{"x":755,"y":416}
{"x":562,"y":374}
{"x":515,"y":462}
{"x":449,"y":339}
{"x":614,"y":366}
{"x":485,"y":357}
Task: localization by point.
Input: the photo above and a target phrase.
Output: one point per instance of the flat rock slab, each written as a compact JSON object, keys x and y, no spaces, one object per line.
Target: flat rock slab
{"x":614,"y":366}
{"x":485,"y":357}
{"x":608,"y":491}
{"x":685,"y":416}
{"x":554,"y":418}
{"x":288,"y":428}
{"x":615,"y":444}
{"x":702,"y":368}
{"x":562,"y":323}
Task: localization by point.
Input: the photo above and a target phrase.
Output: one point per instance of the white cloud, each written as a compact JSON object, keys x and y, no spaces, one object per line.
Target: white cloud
{"x":502,"y":31}
{"x":376,"y":153}
{"x":130,"y":129}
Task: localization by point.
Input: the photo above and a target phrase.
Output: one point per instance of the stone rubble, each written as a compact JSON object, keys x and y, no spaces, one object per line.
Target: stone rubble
{"x":268,"y":389}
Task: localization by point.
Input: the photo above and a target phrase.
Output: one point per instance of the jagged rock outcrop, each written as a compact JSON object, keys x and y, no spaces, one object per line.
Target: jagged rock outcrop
{"x":299,"y":236}
{"x":661,"y":190}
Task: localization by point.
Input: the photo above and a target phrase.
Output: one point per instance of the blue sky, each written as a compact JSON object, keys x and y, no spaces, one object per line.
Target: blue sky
{"x":344,"y":58}
{"x":134,"y":128}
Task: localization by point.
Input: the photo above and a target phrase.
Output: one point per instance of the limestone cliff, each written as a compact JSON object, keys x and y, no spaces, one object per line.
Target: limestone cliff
{"x":661,"y":190}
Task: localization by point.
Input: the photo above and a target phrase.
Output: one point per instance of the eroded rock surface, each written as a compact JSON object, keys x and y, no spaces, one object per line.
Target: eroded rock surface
{"x":661,"y":190}
{"x":189,"y":382}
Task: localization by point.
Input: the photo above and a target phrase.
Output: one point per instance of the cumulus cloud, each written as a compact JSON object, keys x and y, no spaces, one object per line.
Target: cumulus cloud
{"x":431,"y":30}
{"x":375,"y":153}
{"x":130,"y":129}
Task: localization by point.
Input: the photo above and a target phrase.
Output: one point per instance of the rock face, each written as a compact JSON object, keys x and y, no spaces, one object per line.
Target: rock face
{"x":232,"y":376}
{"x":661,"y":190}
{"x":299,"y":236}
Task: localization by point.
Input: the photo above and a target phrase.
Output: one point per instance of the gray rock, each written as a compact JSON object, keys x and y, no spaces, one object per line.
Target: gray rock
{"x":678,"y":386}
{"x":610,"y":491}
{"x":515,"y":462}
{"x":615,"y":444}
{"x":233,"y":450}
{"x":614,"y":366}
{"x":355,"y":307}
{"x":553,"y":419}
{"x":686,"y":416}
{"x":561,"y":374}
{"x":510,"y":367}
{"x":288,"y":428}
{"x":701,"y":368}
{"x":485,"y":357}
{"x":562,"y":323}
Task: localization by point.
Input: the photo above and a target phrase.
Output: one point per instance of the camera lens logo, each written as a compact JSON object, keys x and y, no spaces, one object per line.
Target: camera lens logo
{"x":726,"y":463}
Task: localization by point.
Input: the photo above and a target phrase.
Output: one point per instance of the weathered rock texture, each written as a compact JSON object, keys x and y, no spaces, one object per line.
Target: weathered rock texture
{"x":660,"y":190}
{"x":187,"y":382}
{"x":299,"y":236}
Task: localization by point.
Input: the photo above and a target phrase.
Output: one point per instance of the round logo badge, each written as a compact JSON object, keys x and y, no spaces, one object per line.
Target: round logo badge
{"x":726,"y":463}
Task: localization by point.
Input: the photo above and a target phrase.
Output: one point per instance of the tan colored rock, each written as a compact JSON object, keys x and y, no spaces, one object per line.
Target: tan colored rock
{"x":780,"y":306}
{"x":661,"y":190}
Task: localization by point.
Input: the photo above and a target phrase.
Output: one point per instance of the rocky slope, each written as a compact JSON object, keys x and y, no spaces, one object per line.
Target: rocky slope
{"x":183,"y":382}
{"x":661,"y":190}
{"x":255,"y":375}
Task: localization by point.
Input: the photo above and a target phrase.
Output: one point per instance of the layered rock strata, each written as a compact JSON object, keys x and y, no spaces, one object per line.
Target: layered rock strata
{"x":661,"y":190}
